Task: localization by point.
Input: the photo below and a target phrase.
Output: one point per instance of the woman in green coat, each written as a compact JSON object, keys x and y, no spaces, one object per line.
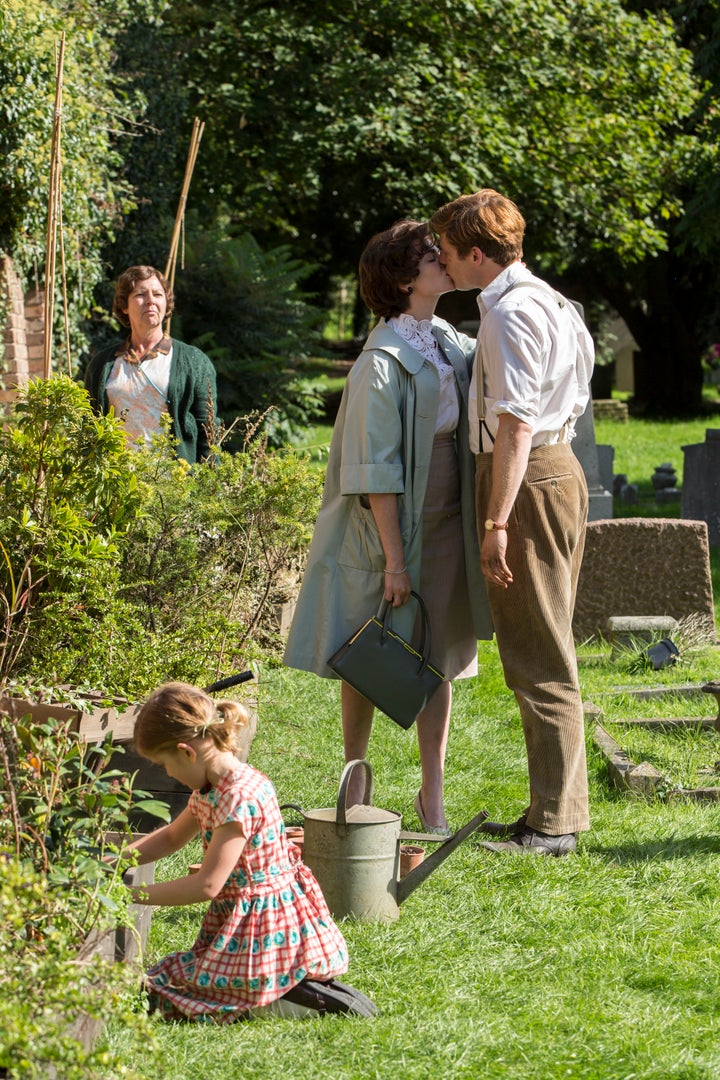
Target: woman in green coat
{"x":398,"y":510}
{"x":150,"y":373}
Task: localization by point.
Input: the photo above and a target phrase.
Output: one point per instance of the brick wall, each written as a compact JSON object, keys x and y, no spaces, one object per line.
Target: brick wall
{"x":23,"y":338}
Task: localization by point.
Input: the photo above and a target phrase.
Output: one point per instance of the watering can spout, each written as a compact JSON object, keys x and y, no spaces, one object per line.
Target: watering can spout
{"x":410,"y":882}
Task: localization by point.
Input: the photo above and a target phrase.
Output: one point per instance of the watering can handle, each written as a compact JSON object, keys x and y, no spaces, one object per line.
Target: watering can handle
{"x":293,"y":806}
{"x":345,"y":780}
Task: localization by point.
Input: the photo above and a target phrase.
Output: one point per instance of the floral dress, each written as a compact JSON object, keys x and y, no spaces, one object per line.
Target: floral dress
{"x":269,"y":927}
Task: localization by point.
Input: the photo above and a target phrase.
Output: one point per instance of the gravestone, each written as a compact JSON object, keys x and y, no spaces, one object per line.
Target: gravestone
{"x":643,"y":566}
{"x":701,"y":483}
{"x":585,"y":448}
{"x":624,"y":631}
{"x":606,"y":458}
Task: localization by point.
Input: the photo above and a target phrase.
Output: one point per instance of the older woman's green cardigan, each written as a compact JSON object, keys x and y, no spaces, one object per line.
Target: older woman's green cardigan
{"x":192,"y":391}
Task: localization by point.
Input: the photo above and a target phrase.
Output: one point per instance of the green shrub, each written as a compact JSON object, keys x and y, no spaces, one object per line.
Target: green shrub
{"x":67,"y":492}
{"x":121,"y":569}
{"x":209,"y":558}
{"x":61,"y":813}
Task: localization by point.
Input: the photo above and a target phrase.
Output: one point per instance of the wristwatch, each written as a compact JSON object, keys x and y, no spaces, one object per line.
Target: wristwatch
{"x":492,"y":526}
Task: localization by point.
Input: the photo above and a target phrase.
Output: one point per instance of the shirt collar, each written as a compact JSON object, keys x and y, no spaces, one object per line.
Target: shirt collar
{"x":490,"y":295}
{"x":127,"y":352}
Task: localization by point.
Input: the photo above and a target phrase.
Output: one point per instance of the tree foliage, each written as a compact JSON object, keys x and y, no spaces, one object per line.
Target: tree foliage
{"x":95,"y":194}
{"x":245,"y":307}
{"x":326,"y":122}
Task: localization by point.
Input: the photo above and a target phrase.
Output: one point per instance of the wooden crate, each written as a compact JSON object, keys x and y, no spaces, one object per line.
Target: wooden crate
{"x":120,"y":945}
{"x":94,"y":723}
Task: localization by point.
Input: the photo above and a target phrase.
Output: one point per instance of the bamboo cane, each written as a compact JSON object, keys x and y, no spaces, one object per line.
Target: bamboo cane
{"x":63,"y":268}
{"x":195,"y":138}
{"x":51,"y":235}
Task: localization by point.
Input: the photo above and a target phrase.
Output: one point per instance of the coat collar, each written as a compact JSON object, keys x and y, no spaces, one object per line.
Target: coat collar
{"x":384,"y":337}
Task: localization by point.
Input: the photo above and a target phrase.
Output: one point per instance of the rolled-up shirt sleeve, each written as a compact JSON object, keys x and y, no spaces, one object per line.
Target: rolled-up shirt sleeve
{"x":514,"y":382}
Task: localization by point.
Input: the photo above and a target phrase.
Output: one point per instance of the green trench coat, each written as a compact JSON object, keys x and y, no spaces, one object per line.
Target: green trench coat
{"x":382,"y":442}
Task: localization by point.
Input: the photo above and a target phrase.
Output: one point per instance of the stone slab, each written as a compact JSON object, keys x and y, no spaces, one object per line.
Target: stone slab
{"x":642,"y":779}
{"x":626,"y":629}
{"x":643,"y":566}
{"x":701,"y":483}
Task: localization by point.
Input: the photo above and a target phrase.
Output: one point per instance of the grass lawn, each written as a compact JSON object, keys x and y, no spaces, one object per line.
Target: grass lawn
{"x":603,"y":966}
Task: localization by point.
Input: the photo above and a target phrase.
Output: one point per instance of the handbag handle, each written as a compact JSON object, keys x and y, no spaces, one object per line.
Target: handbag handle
{"x":385,"y":614}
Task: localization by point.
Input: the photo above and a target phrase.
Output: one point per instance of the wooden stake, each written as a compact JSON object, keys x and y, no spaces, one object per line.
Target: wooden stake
{"x":195,"y":138}
{"x":63,"y":269}
{"x":52,"y":218}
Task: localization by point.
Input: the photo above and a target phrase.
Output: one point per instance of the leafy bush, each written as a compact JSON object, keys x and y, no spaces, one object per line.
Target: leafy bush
{"x":67,"y":491}
{"x":120,"y":569}
{"x":207,"y":560}
{"x":61,"y":813}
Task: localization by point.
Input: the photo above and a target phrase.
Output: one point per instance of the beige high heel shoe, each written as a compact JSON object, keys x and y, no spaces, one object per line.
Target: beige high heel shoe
{"x":438,"y":830}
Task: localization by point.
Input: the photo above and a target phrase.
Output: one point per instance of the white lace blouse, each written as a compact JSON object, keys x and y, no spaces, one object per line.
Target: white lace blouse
{"x":420,"y":336}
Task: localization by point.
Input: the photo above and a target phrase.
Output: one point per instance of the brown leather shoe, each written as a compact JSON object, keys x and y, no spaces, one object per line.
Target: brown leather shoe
{"x":532,"y":842}
{"x":504,"y":828}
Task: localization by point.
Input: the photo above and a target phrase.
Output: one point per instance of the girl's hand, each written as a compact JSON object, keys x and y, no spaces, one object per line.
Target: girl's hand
{"x":219,"y":861}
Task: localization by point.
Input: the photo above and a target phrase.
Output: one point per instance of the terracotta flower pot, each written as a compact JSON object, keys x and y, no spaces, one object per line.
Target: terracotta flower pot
{"x":296,"y":833}
{"x":411,"y":855}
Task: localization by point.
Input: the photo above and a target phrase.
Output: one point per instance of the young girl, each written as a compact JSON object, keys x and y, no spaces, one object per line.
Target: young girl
{"x":267,"y":933}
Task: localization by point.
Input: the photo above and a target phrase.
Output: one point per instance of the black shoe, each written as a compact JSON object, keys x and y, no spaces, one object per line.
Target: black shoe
{"x":331,"y":997}
{"x":532,"y":842}
{"x":502,"y":828}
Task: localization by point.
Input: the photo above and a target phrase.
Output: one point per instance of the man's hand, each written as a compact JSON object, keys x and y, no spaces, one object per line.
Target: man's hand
{"x":492,"y":558}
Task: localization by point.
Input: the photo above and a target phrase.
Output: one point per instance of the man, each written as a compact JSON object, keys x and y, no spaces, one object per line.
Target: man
{"x":530,"y":383}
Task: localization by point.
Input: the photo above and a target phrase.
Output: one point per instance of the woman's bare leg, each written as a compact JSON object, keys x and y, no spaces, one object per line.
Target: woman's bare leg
{"x":357,"y":718}
{"x":433,"y":725}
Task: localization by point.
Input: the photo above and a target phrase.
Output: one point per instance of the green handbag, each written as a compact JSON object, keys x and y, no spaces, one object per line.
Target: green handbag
{"x":384,"y":668}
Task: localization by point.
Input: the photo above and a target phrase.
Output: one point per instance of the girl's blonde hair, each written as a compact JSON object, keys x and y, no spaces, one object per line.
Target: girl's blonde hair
{"x":177,"y":712}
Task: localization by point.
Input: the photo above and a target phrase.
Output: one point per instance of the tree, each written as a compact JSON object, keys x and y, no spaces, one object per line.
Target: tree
{"x":95,"y":195}
{"x":326,"y":122}
{"x":670,"y":300}
{"x":246,"y":309}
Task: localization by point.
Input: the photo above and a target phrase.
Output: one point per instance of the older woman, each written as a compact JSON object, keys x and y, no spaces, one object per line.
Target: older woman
{"x":398,"y":508}
{"x":150,"y":373}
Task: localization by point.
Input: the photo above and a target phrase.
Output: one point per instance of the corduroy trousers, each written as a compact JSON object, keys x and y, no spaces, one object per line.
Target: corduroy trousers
{"x":533,"y":628}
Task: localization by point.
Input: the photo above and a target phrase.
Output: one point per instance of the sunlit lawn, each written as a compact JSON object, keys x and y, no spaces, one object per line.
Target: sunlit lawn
{"x":601,"y":966}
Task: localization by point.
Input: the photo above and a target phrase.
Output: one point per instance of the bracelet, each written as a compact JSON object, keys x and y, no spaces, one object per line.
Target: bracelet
{"x":396,"y":571}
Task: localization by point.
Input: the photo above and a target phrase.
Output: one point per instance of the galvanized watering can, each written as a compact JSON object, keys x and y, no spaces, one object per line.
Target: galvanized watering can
{"x":354,"y":853}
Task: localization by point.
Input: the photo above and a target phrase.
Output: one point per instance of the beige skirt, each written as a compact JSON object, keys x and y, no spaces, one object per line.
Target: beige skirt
{"x":443,"y":581}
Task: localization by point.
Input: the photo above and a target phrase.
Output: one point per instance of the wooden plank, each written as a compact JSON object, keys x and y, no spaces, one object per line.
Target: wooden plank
{"x":130,"y":941}
{"x":19,"y":709}
{"x":95,"y":725}
{"x":706,"y":723}
{"x":642,"y":779}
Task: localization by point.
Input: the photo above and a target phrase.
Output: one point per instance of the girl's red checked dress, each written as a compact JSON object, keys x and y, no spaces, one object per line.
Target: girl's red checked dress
{"x":267,"y":930}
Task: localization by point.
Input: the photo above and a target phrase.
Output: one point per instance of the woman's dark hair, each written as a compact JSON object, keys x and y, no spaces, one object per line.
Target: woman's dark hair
{"x":390,"y":263}
{"x":127,"y":282}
